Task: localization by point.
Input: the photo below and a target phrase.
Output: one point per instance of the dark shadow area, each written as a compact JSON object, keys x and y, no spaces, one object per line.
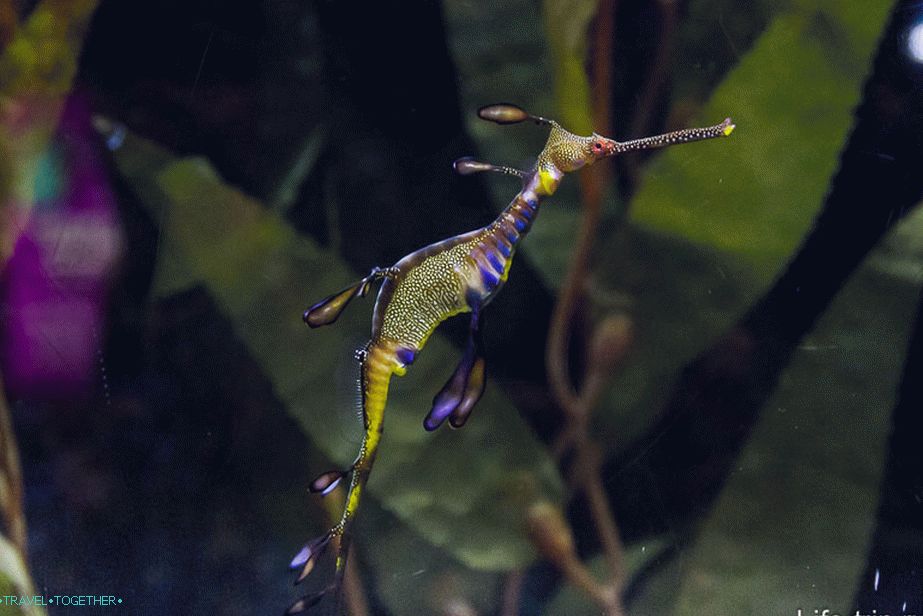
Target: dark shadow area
{"x":176,"y":474}
{"x":184,"y":465}
{"x":892,"y":581}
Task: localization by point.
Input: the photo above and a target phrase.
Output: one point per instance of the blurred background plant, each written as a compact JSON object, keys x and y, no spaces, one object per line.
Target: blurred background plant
{"x":694,"y":369}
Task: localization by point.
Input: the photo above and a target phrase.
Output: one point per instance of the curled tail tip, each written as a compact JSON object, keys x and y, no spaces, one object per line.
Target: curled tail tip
{"x":307,"y":557}
{"x":306,"y":602}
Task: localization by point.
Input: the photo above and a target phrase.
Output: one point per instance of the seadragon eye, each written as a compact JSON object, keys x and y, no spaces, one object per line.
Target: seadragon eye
{"x":597,"y":146}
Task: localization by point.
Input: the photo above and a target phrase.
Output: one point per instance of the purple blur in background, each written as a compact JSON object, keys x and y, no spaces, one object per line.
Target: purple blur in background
{"x":57,"y":279}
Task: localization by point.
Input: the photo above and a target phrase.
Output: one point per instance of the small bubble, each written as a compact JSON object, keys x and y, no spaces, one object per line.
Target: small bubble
{"x":115,"y":140}
{"x":915,"y":42}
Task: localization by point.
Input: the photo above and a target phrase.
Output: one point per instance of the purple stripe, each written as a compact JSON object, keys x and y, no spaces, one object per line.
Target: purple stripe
{"x":505,"y":248}
{"x":406,"y":355}
{"x":490,"y":279}
{"x":495,"y":260}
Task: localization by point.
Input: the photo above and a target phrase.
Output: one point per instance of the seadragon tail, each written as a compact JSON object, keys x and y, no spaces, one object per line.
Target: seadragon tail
{"x":379,"y":362}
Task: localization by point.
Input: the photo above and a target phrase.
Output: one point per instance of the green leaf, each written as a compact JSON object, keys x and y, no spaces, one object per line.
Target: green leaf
{"x":15,"y":581}
{"x":566,"y":25}
{"x":792,"y":97}
{"x":461,"y":490}
{"x":419,"y":578}
{"x":37,"y":70}
{"x":683,"y":296}
{"x":793,"y":524}
{"x":655,"y":598}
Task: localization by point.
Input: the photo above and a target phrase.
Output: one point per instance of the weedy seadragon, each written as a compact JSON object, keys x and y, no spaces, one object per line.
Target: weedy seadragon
{"x":457,"y":275}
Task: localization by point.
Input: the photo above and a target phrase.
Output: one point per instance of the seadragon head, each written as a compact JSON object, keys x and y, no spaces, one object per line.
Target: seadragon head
{"x":568,"y":152}
{"x":565,"y":152}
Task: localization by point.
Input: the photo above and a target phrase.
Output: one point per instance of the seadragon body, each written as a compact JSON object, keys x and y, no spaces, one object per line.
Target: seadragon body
{"x":458,"y":275}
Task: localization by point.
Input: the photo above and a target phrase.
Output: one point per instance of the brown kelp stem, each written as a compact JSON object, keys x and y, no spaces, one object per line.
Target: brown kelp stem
{"x":602,"y":64}
{"x":592,"y":183}
{"x":355,"y":595}
{"x":660,"y":68}
{"x":578,"y":404}
{"x":512,"y":589}
{"x":554,"y":540}
{"x":654,"y":83}
{"x":571,"y":292}
{"x":9,"y":21}
{"x":14,"y":572}
{"x":13,"y":518}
